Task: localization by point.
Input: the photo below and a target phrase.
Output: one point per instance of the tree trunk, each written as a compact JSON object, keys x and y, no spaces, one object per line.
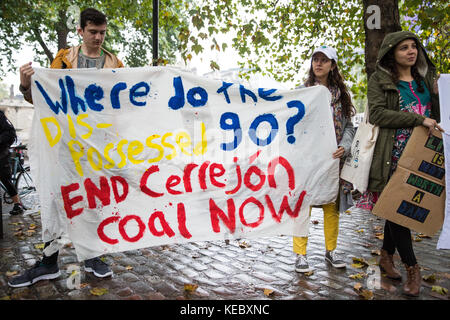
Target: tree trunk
{"x":378,"y":21}
{"x":61,"y":30}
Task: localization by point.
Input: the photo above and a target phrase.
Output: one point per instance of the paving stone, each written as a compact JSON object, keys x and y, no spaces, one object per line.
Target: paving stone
{"x":133,"y":297}
{"x":284,"y":275}
{"x":206,"y":281}
{"x":245,"y":277}
{"x":47,"y":291}
{"x":154,"y":296}
{"x":198,"y":266}
{"x":223,"y":291}
{"x":129,"y":277}
{"x":331,"y":284}
{"x":190,"y":273}
{"x":263,"y":268}
{"x":125,"y":292}
{"x":264,"y":276}
{"x":223,"y":268}
{"x":225,"y":271}
{"x":214,"y":274}
{"x":201,"y":293}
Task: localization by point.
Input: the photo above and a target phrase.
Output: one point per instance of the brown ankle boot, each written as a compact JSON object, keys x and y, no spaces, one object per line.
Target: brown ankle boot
{"x":413,"y":282}
{"x":387,"y":265}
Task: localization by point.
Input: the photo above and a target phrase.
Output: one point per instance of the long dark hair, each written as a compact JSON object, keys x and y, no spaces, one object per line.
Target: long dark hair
{"x":388,"y":62}
{"x":335,"y":80}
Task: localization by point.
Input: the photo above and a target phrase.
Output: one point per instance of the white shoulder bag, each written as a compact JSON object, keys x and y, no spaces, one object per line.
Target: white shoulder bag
{"x":357,"y":164}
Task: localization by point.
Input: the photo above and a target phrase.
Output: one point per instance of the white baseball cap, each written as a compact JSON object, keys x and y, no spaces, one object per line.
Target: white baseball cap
{"x":328,"y":51}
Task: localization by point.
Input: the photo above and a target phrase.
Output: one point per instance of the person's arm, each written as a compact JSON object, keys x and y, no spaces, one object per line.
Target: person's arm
{"x":347,"y":137}
{"x":6,"y":132}
{"x":26,"y":71}
{"x":380,"y":115}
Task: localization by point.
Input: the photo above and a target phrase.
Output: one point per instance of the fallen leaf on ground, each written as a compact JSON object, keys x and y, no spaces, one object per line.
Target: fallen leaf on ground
{"x":364,"y":293}
{"x":39,"y":246}
{"x":244,"y":244}
{"x":98,"y":291}
{"x":268,"y":292}
{"x":308,"y":274}
{"x":379,"y":235}
{"x":5,"y":298}
{"x":358,"y":276}
{"x":189,"y":287}
{"x":431,"y":278}
{"x":129,"y":268}
{"x":439,"y":290}
{"x":376,"y":252}
{"x":417,"y":239}
{"x":32,"y":226}
{"x":359,"y":260}
{"x":360,"y":230}
{"x":422,"y":235}
{"x":11,"y":273}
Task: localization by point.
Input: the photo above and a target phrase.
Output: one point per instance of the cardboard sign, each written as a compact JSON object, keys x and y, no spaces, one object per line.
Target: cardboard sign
{"x":415,"y":195}
{"x":137,"y":157}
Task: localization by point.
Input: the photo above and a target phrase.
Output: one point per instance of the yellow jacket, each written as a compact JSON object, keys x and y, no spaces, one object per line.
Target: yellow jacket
{"x":68,"y":59}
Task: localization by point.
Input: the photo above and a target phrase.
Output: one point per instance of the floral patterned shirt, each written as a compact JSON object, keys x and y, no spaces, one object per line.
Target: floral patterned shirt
{"x":411,"y":100}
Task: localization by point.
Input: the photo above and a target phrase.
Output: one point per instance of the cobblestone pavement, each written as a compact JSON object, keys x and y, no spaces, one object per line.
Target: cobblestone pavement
{"x":257,"y":269}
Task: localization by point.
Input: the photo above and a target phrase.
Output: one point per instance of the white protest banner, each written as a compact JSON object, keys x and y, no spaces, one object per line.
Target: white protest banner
{"x":137,"y":157}
{"x":444,"y":102}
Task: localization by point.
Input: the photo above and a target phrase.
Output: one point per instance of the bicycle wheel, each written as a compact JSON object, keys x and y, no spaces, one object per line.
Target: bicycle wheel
{"x":6,"y":198}
{"x":24,"y":183}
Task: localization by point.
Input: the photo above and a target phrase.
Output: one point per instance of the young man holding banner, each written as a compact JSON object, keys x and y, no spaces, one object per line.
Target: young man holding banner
{"x":89,"y":54}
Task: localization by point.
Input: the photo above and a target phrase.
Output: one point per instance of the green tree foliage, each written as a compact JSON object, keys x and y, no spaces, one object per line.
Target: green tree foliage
{"x":430,"y":21}
{"x":44,"y":25}
{"x":4,"y":92}
{"x":275,"y":37}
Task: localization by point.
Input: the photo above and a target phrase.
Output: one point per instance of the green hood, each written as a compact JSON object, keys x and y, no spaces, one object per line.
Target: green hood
{"x":392,"y":39}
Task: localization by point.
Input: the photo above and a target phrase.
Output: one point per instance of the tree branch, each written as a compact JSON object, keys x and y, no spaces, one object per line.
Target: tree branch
{"x":47,"y":51}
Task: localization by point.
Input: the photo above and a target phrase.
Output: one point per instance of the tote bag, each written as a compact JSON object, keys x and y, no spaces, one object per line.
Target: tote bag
{"x":357,"y":164}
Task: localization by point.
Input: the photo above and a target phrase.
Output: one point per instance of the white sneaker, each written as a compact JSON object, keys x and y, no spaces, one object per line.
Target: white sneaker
{"x":301,"y":264}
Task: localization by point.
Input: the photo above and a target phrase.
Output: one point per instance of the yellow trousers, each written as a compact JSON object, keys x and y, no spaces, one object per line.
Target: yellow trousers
{"x":330,"y":229}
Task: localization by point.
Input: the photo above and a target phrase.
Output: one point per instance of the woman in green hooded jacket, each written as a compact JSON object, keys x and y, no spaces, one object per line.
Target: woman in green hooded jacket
{"x":402,"y":94}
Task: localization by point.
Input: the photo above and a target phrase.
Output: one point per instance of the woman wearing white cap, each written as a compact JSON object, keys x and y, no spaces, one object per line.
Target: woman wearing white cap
{"x":324,"y":71}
